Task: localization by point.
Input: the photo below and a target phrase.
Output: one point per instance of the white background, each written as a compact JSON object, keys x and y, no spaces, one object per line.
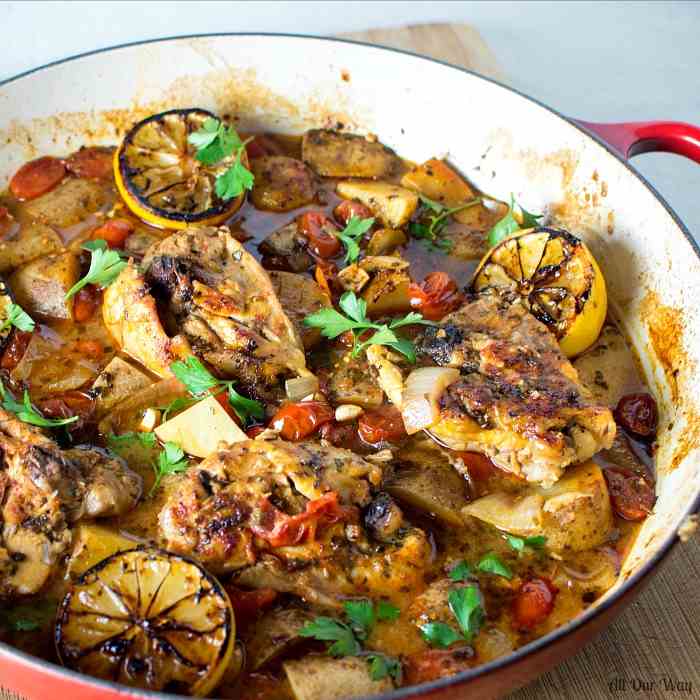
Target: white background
{"x":593,"y":60}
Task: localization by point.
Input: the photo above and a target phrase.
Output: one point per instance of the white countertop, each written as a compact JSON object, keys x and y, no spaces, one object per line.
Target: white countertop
{"x":594,"y":60}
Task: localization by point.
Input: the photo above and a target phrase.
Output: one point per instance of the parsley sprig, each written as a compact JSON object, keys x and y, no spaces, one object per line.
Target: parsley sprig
{"x":351,"y":235}
{"x":200,"y":382}
{"x":125,"y":439}
{"x":332,"y":324}
{"x":466,"y":607}
{"x":429,"y":233}
{"x":491,"y":563}
{"x":214,"y":143}
{"x":27,"y":413}
{"x":105,"y":266}
{"x":19,"y":318}
{"x":171,"y":460}
{"x":347,"y":637}
{"x":520,"y":543}
{"x":509,"y":224}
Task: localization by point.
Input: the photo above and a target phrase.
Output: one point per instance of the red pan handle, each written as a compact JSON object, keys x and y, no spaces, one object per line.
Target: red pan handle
{"x":632,"y":138}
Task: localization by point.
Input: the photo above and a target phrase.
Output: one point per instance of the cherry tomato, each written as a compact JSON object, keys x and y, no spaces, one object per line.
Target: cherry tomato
{"x":86,"y":302}
{"x":479,"y":466}
{"x":247,"y":605}
{"x":222,"y":400}
{"x":533,"y":603}
{"x":37,"y":177}
{"x":297,"y":421}
{"x":253,"y":432}
{"x":432,"y":664}
{"x":347,"y":209}
{"x":114,"y":232}
{"x":15,"y":350}
{"x":90,"y":348}
{"x":340,"y":434}
{"x":436,"y":296}
{"x":383,"y":425}
{"x":91,"y":162}
{"x":67,"y":405}
{"x":631,"y":495}
{"x":637,"y":413}
{"x":319,"y":229}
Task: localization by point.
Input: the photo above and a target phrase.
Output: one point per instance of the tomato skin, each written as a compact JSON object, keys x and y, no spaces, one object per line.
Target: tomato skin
{"x":632,"y":495}
{"x":114,"y":232}
{"x":340,"y":434}
{"x":479,"y":466}
{"x":67,"y":405}
{"x":383,"y":425}
{"x":86,"y":302}
{"x":91,"y":162}
{"x":347,"y":209}
{"x":262,"y":145}
{"x":533,"y":602}
{"x":248,"y":604}
{"x":37,"y":177}
{"x":297,"y":421}
{"x":253,"y":432}
{"x":15,"y":349}
{"x":638,"y":414}
{"x":432,"y":664}
{"x":319,"y":229}
{"x":436,"y":296}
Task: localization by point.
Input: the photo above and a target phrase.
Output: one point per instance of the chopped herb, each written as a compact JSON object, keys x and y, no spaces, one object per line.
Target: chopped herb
{"x":215,"y":142}
{"x":381,"y":666}
{"x":465,"y":604}
{"x":177,"y":405}
{"x":27,"y":413}
{"x":145,"y":439}
{"x":491,"y":564}
{"x":361,"y":616}
{"x":461,"y":572}
{"x":105,"y":266}
{"x":332,"y":324}
{"x":200,"y":382}
{"x":326,"y":629}
{"x":440,"y":635}
{"x":519,"y":543}
{"x":351,"y":234}
{"x":387,"y":611}
{"x":171,"y":460}
{"x":509,"y":224}
{"x":19,"y":318}
{"x":429,"y":233}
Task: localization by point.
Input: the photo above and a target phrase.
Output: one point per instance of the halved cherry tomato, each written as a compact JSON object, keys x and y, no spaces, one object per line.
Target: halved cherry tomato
{"x":299,"y":420}
{"x":37,"y":177}
{"x":347,"y":209}
{"x":319,"y":229}
{"x":222,"y":399}
{"x":282,"y":530}
{"x":262,"y":145}
{"x":67,"y":405}
{"x":436,"y":296}
{"x":383,"y":425}
{"x":637,"y":413}
{"x":247,"y":605}
{"x":432,"y":664}
{"x":86,"y":302}
{"x":533,"y":602}
{"x":91,"y":162}
{"x":114,"y":232}
{"x":253,"y":432}
{"x":479,"y":466}
{"x":15,"y":350}
{"x":340,"y":434}
{"x":90,"y":348}
{"x":631,"y":495}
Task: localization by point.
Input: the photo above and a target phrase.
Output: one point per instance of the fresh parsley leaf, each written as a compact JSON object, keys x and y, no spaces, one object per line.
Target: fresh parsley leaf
{"x":105,"y":266}
{"x":195,"y":376}
{"x":429,"y":233}
{"x":245,"y":407}
{"x":331,"y":322}
{"x":351,"y":234}
{"x":19,"y":318}
{"x":326,"y":629}
{"x":177,"y":405}
{"x":171,"y":460}
{"x":465,"y":604}
{"x":145,"y":439}
{"x":387,"y":611}
{"x":519,"y":543}
{"x":491,"y":564}
{"x":28,"y":617}
{"x":461,"y":572}
{"x":432,"y":204}
{"x":27,"y":413}
{"x":440,"y":635}
{"x":234,"y":181}
{"x":361,"y":616}
{"x":509,"y":224}
{"x":209,"y":132}
{"x":354,"y":306}
{"x":381,"y":666}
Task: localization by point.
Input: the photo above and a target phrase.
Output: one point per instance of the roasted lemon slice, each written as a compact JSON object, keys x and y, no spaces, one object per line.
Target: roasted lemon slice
{"x":149,"y":619}
{"x":558,"y":278}
{"x":161,"y":180}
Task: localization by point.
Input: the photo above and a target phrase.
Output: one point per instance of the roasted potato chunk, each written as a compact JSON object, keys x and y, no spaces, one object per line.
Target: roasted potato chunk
{"x":33,"y":242}
{"x":117,"y":381}
{"x":387,"y":294}
{"x":391,"y":204}
{"x":274,"y":634}
{"x":285,"y":249}
{"x":281,"y":183}
{"x":333,"y":154}
{"x":352,"y":383}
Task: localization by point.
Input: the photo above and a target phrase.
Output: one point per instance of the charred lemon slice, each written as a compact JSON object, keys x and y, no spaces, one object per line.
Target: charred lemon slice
{"x":557,"y":277}
{"x":149,"y":619}
{"x":161,"y":180}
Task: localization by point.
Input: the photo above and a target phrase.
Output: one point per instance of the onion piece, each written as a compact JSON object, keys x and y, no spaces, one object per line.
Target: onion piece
{"x":300,"y":387}
{"x":422,"y":390}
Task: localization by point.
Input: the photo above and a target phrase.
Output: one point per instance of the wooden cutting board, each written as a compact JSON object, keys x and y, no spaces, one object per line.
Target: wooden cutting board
{"x":653,"y":648}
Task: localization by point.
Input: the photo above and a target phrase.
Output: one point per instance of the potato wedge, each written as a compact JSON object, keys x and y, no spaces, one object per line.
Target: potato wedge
{"x":33,"y":242}
{"x":324,"y":678}
{"x":387,"y":294}
{"x":333,"y":154}
{"x":117,"y":381}
{"x":200,"y":429}
{"x":274,"y":634}
{"x":281,"y":183}
{"x":385,"y":241}
{"x":92,"y":544}
{"x":391,"y":204}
